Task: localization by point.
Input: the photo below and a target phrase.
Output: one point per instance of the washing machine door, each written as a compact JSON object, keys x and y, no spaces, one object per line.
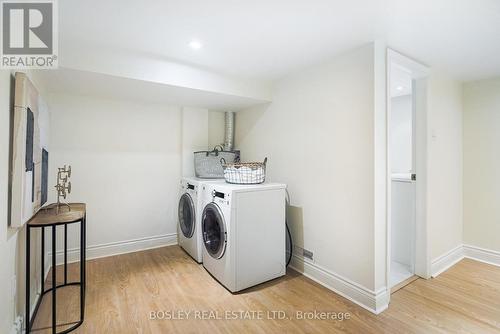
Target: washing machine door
{"x":186,"y":215}
{"x":214,"y":231}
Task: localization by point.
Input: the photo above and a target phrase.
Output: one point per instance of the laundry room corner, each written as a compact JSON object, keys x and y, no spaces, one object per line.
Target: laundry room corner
{"x":119,"y":165}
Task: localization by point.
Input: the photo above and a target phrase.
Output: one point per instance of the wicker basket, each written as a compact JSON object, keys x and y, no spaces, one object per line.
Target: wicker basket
{"x":207,"y":163}
{"x":244,"y":172}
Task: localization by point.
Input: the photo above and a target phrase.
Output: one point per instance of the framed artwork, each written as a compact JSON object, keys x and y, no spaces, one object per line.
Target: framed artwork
{"x":29,"y":152}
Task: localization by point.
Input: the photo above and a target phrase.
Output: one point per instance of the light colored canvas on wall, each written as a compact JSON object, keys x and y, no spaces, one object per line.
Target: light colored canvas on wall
{"x":29,"y":152}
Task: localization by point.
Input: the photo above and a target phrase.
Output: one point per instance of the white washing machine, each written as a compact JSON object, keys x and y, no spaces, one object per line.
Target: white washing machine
{"x":243,"y":229}
{"x":189,"y":215}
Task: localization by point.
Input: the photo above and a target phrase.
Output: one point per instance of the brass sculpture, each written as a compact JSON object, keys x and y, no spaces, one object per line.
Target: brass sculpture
{"x":63,"y":186}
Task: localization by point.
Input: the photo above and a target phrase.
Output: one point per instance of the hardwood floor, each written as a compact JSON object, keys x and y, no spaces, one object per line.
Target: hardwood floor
{"x":123,"y":290}
{"x":404,"y":283}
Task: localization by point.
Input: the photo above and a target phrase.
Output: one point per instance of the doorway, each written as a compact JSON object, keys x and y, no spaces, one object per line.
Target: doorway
{"x":403,"y":176}
{"x":406,"y":162}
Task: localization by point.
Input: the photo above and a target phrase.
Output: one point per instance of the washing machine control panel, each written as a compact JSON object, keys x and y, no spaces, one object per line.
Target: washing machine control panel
{"x":220,"y":197}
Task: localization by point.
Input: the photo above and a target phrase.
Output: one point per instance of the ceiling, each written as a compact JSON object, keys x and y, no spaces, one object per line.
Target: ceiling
{"x":267,"y":39}
{"x":69,"y":81}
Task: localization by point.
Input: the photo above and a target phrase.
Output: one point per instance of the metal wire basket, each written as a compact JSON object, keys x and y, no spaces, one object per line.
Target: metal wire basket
{"x":244,"y":172}
{"x":207,"y":163}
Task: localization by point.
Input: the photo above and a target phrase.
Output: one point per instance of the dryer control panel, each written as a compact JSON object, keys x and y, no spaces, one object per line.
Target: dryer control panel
{"x":189,"y":188}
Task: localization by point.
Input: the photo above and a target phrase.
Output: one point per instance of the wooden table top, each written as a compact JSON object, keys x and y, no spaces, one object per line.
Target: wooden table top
{"x":47,"y":216}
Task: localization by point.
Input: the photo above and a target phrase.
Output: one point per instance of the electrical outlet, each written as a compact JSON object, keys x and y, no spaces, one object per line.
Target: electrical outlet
{"x":306,"y":254}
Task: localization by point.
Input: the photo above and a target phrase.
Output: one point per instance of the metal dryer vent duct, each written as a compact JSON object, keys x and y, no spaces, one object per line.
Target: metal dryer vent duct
{"x":229,"y":131}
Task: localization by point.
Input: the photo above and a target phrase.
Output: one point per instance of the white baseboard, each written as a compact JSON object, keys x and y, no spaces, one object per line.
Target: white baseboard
{"x":116,"y":248}
{"x":372,"y":301}
{"x":445,"y":261}
{"x":482,"y":255}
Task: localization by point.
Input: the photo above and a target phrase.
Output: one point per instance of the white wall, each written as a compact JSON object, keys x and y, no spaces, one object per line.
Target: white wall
{"x":444,"y":164}
{"x":482,"y":164}
{"x":380,"y":173}
{"x":216,"y":128}
{"x":126,"y":165}
{"x":318,"y":135}
{"x":194,"y":136}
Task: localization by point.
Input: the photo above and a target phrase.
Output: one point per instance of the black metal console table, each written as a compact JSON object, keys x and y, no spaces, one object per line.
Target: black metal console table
{"x":47,"y":217}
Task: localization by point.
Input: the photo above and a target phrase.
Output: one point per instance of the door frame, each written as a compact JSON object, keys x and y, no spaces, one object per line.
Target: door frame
{"x":419,"y":74}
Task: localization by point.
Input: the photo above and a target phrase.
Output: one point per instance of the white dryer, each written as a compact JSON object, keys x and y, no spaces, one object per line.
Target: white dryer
{"x":243,"y":229}
{"x":189,"y":216}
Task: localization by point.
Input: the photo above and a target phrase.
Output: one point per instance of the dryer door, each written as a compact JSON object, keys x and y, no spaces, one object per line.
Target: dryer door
{"x":186,"y":215}
{"x":214,"y":231}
